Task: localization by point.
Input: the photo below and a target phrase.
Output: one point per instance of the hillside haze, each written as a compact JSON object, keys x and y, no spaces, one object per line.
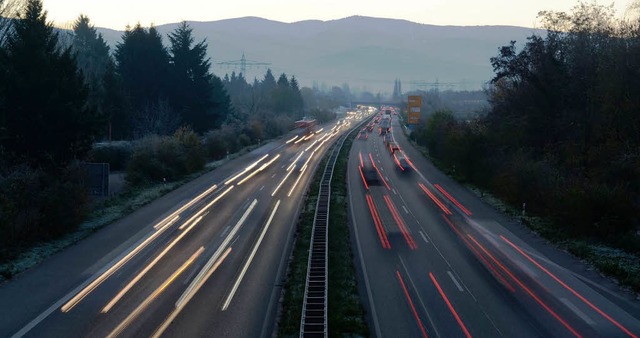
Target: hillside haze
{"x":367,"y":53}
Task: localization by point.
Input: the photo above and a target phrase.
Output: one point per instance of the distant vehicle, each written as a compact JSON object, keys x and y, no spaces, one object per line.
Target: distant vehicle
{"x":401,"y":161}
{"x":369,"y":174}
{"x":385,"y":124}
{"x":388,"y":138}
{"x":363,"y":135}
{"x":387,"y":111}
{"x":393,"y":147}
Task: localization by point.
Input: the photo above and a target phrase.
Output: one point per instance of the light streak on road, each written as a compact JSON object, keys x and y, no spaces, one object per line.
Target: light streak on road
{"x":169,"y":223}
{"x":264,"y":166}
{"x":308,"y":160}
{"x":148,"y":267}
{"x":225,"y":306}
{"x":304,"y":167}
{"x":319,"y":130}
{"x":179,"y":308}
{"x":377,"y":170}
{"x":246,"y":170}
{"x":293,"y":139}
{"x":127,"y":321}
{"x":311,"y":146}
{"x":293,"y":164}
{"x":382,"y":234}
{"x":435,"y":199}
{"x":363,"y":180}
{"x":403,"y":227}
{"x":96,"y":282}
{"x":575,"y":293}
{"x":203,"y":210}
{"x":184,"y":207}
{"x":526,"y":289}
{"x":455,"y":201}
{"x":200,"y":278}
{"x":282,"y":182}
{"x":410,"y":301}
{"x":453,"y":311}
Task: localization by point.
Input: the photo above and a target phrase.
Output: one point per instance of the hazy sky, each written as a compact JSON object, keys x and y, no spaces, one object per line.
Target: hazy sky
{"x":117,"y":14}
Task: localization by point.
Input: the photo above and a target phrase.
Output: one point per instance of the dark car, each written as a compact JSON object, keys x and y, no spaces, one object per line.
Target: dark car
{"x":393,"y":147}
{"x":369,"y":174}
{"x":401,"y":162}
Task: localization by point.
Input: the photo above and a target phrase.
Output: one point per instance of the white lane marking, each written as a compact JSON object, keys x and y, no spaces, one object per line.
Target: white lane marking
{"x":577,"y":311}
{"x":224,"y":231}
{"x":455,"y":281}
{"x":405,"y":209}
{"x":274,"y":175}
{"x":423,"y":236}
{"x":394,"y":190}
{"x":246,"y":265}
{"x":262,"y":187}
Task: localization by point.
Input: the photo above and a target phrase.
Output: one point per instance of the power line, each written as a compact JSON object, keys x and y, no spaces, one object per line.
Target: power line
{"x":243,"y":63}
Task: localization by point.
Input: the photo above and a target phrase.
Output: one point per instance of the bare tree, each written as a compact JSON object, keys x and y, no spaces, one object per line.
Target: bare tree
{"x":157,"y":118}
{"x":9,"y":10}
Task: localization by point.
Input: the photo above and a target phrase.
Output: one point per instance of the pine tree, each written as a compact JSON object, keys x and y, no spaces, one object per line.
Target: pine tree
{"x":46,"y":121}
{"x":92,"y":55}
{"x":296,"y":98}
{"x":143,"y":63}
{"x":115,"y":105}
{"x":269,"y":82}
{"x":192,"y":90}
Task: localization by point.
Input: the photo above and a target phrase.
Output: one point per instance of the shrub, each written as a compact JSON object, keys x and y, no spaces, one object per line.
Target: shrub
{"x":166,"y":158}
{"x":117,"y":154}
{"x":156,"y":159}
{"x":36,"y":205}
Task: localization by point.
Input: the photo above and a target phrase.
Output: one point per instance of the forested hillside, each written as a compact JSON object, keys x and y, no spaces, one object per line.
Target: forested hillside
{"x":563,"y":131}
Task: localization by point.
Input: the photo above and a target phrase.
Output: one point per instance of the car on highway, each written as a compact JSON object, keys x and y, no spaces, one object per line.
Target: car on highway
{"x":369,"y":174}
{"x":388,"y":138}
{"x":363,"y":135}
{"x":401,"y":162}
{"x":393,"y":147}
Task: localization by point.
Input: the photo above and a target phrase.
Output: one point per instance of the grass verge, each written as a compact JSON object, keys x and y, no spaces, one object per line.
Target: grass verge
{"x":289,"y":325}
{"x":346,"y":313}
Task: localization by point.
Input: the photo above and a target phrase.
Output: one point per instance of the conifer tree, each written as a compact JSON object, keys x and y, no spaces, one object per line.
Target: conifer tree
{"x":92,"y":56}
{"x":46,"y":119}
{"x":143,"y":64}
{"x":193,"y":90}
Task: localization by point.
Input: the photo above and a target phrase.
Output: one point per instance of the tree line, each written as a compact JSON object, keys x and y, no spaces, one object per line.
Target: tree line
{"x":61,"y":94}
{"x":563,"y":131}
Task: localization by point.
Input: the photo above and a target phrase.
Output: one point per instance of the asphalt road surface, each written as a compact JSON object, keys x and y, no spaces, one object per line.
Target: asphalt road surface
{"x":434,"y":260}
{"x":205,"y":260}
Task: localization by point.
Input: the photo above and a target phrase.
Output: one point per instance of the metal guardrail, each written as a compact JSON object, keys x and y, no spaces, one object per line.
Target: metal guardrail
{"x":314,"y":308}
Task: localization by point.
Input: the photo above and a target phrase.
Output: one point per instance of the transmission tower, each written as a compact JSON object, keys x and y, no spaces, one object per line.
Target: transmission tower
{"x":243,"y":63}
{"x":435,"y":85}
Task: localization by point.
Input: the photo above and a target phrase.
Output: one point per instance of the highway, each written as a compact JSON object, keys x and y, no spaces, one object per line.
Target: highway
{"x":205,"y":260}
{"x":435,"y":261}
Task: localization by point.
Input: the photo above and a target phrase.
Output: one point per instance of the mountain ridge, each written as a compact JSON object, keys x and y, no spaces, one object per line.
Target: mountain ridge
{"x":367,"y":53}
